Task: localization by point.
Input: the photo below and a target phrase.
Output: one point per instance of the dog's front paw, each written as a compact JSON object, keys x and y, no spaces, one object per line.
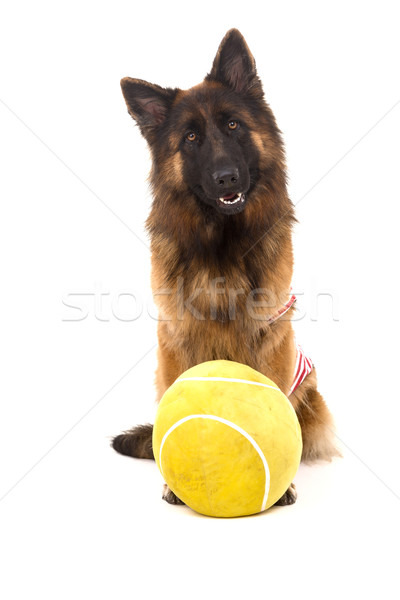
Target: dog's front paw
{"x":289,"y":497}
{"x":169,"y":496}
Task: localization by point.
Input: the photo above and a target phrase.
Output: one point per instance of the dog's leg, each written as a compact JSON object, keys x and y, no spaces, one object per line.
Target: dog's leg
{"x":317,"y":427}
{"x":137,"y":442}
{"x":289,"y":497}
{"x":169,"y":367}
{"x":169,"y":496}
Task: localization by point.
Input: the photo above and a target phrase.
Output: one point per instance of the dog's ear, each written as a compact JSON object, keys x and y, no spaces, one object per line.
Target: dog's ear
{"x":147,"y":103}
{"x":234,"y":65}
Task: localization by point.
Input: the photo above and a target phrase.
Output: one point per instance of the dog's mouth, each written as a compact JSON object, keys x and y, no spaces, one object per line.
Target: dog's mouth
{"x":232,"y":199}
{"x":231,"y":203}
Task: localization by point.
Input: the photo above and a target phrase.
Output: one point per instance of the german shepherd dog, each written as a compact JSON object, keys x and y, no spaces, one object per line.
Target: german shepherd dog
{"x":220,"y":229}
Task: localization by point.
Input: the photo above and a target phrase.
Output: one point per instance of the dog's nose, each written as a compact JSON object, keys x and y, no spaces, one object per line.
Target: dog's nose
{"x":226,"y":178}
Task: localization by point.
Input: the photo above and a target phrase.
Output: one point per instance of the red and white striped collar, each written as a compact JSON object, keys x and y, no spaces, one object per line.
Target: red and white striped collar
{"x":303,"y":363}
{"x":283,"y":309}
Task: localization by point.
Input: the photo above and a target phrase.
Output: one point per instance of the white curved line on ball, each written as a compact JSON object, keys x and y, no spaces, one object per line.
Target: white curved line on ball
{"x":233,"y":426}
{"x":230,"y":379}
{"x":233,"y":380}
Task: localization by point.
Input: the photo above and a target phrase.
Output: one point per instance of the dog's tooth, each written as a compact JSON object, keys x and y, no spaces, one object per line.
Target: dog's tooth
{"x":230,"y":202}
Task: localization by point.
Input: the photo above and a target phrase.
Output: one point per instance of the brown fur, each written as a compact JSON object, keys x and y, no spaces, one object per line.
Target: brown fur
{"x":215,"y":297}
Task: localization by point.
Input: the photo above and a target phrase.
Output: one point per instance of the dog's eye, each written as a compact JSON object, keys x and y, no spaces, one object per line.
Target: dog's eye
{"x":233,"y":124}
{"x":191,"y":136}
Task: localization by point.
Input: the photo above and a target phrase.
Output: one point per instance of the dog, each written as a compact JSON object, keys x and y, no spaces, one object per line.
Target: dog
{"x":220,"y":228}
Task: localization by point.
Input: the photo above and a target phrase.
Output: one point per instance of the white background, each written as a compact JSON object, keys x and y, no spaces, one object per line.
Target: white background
{"x":79,"y":521}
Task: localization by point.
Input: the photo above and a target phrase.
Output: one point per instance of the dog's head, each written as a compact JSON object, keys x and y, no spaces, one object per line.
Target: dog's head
{"x":213,"y":139}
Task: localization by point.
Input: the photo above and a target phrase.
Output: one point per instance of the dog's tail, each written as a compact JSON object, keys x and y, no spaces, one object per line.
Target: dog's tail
{"x":137,"y":442}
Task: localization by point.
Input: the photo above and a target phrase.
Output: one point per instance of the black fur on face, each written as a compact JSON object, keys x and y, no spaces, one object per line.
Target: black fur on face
{"x":213,"y":128}
{"x":213,"y":136}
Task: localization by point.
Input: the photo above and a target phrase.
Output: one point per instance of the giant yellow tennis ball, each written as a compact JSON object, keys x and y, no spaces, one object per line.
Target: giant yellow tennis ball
{"x":226,"y":439}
